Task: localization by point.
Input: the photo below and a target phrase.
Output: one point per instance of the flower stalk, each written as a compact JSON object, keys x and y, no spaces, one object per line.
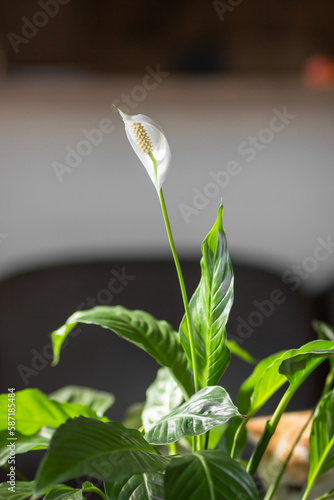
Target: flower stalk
{"x":181,"y":281}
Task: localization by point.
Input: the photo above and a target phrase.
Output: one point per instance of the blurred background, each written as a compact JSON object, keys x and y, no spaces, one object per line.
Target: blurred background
{"x":212,"y":75}
{"x":244,"y":91}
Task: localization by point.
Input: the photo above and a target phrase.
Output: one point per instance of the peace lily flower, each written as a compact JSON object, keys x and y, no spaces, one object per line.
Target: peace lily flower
{"x":150,"y":145}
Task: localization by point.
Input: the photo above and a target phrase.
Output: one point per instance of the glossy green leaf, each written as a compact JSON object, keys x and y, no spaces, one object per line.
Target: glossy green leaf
{"x":137,"y":487}
{"x":107,"y":451}
{"x":21,"y":444}
{"x":322,"y":439}
{"x":34,"y":410}
{"x":209,"y":475}
{"x":325,"y":332}
{"x":161,"y":397}
{"x":210,"y":306}
{"x":240,"y":352}
{"x":294,"y":367}
{"x":207,"y":408}
{"x":64,"y":493}
{"x":268,"y":375}
{"x":22,"y":490}
{"x":98,"y":401}
{"x":157,"y":338}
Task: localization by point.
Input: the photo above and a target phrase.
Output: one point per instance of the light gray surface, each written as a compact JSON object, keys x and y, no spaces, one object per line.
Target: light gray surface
{"x":275,"y":209}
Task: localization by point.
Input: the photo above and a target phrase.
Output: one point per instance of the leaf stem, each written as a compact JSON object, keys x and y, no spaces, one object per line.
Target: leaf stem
{"x":237,"y":434}
{"x":172,"y":449}
{"x":183,"y":289}
{"x":207,"y":437}
{"x":269,"y":430}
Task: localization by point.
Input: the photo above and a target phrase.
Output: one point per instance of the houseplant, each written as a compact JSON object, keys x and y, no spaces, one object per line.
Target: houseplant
{"x":190,"y":440}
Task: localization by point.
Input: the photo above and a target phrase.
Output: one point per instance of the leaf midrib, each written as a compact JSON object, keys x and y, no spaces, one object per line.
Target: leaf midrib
{"x":208,"y":476}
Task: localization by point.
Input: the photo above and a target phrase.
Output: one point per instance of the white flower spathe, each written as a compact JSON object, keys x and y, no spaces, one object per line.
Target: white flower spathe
{"x":155,"y":142}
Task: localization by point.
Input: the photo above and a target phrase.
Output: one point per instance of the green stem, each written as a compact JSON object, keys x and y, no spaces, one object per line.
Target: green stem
{"x":237,"y":434}
{"x":172,"y":449}
{"x":207,"y":437}
{"x":183,"y":290}
{"x":269,"y":430}
{"x":182,"y":286}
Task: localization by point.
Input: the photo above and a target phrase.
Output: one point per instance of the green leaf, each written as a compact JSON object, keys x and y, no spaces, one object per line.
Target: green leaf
{"x":209,"y":475}
{"x":240,"y":352}
{"x":210,"y":306}
{"x":64,"y":493}
{"x":107,"y":451}
{"x":22,"y":490}
{"x":137,"y":487}
{"x":132,"y":418}
{"x":98,"y":401}
{"x":21,"y":444}
{"x":271,"y":373}
{"x":207,"y":408}
{"x":157,"y":338}
{"x":325,"y":332}
{"x":294,"y":367}
{"x":322,"y":439}
{"x":161,"y":397}
{"x":34,"y":410}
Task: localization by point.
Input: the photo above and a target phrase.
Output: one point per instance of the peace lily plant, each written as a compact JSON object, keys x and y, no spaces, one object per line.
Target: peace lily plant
{"x":189,"y":441}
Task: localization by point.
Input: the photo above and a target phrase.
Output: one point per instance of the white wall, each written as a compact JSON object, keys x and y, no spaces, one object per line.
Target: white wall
{"x":275,"y":209}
